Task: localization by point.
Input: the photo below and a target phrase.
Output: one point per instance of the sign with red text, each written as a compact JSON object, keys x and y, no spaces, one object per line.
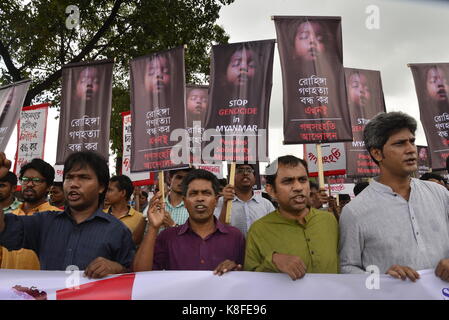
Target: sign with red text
{"x":216,"y":169}
{"x":31,"y":135}
{"x":432,"y":89}
{"x":157,"y":109}
{"x":240,"y":91}
{"x":341,"y":188}
{"x":334,"y":159}
{"x":314,"y":93}
{"x":139,"y":178}
{"x":365,"y":100}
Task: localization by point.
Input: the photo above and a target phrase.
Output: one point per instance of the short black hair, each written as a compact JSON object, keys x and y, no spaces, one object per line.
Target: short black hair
{"x":431,"y":175}
{"x":314,"y":185}
{"x":10,"y":177}
{"x":57,"y":184}
{"x":44,"y":168}
{"x":171,"y":173}
{"x":83,"y":159}
{"x":123,"y":183}
{"x":203,"y":175}
{"x":359,"y":187}
{"x":379,"y":129}
{"x":288,"y":161}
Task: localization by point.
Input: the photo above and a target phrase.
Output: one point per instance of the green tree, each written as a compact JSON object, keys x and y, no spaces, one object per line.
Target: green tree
{"x":35,"y":42}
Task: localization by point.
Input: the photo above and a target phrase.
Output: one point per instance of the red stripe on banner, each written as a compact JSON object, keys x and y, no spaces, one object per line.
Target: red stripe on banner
{"x":329,"y":173}
{"x":118,"y":288}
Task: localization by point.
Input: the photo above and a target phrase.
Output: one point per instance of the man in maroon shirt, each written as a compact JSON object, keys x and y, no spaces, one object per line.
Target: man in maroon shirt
{"x":202,"y":243}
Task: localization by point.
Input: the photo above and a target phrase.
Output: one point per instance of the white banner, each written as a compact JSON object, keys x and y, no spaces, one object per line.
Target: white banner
{"x":216,"y":169}
{"x":341,"y":188}
{"x":203,"y":285}
{"x":334,"y":158}
{"x":31,"y":135}
{"x":126,"y":159}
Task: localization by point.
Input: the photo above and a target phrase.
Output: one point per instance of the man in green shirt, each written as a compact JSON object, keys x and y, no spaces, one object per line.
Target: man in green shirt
{"x":296,"y":238}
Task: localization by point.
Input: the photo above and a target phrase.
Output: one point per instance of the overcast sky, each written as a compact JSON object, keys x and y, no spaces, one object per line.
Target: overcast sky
{"x":409,"y":32}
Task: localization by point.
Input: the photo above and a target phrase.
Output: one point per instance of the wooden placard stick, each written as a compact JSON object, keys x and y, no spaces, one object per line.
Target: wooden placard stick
{"x":229,"y":203}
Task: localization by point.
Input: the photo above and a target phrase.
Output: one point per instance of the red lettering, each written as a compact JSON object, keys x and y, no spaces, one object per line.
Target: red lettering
{"x":234,"y":111}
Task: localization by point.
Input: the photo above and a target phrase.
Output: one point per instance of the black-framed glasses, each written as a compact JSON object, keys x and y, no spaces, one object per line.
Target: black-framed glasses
{"x":35,"y":181}
{"x":245,"y":170}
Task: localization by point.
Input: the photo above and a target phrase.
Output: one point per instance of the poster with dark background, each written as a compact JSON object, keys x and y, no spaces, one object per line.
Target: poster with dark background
{"x":423,"y":160}
{"x":85,"y":109}
{"x":365,"y":100}
{"x":11,"y":101}
{"x":315,"y":107}
{"x":157,"y":108}
{"x":197,"y":103}
{"x":432,"y":87}
{"x":240,"y":91}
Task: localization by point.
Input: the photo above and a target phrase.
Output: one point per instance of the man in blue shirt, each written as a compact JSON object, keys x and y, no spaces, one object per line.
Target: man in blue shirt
{"x":82,"y":235}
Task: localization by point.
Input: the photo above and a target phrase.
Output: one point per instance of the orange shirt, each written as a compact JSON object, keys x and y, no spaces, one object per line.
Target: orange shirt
{"x":132,"y":219}
{"x":23,"y":258}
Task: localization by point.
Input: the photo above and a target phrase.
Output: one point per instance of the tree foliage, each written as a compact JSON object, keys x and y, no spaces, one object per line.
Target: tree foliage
{"x":35,"y":42}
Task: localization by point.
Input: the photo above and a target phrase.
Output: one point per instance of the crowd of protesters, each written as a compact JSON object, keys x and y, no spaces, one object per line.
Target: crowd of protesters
{"x":396,"y":222}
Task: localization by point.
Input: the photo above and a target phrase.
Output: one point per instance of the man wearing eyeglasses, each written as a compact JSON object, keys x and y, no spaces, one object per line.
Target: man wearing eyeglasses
{"x":247,"y":207}
{"x":81,"y":236}
{"x":36,"y":178}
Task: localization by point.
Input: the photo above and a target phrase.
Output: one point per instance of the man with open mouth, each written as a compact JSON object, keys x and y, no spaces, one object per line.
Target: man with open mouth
{"x":82,"y":235}
{"x":398,"y":224}
{"x":201,"y":243}
{"x":295,"y":239}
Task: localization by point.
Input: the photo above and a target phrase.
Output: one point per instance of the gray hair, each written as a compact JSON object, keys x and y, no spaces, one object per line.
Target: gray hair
{"x":383,"y":125}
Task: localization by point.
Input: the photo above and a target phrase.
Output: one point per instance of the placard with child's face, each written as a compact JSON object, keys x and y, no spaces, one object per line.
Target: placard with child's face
{"x":315,"y":106}
{"x":432,"y":88}
{"x":365,"y":100}
{"x":85,"y":109}
{"x":240,"y":91}
{"x":157,"y":108}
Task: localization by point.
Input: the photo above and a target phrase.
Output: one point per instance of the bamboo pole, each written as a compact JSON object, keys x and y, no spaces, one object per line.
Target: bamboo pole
{"x":229,"y":203}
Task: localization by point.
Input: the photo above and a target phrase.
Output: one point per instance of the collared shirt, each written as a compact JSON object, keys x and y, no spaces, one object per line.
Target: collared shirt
{"x":179,"y":214}
{"x":381,"y":228}
{"x":244,"y":213}
{"x":315,"y":242}
{"x":132,"y":219}
{"x":60,"y":242}
{"x":13,"y":206}
{"x":180,"y":248}
{"x":23,"y":258}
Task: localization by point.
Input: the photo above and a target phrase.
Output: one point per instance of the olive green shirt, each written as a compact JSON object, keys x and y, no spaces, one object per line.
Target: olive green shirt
{"x":316,"y":242}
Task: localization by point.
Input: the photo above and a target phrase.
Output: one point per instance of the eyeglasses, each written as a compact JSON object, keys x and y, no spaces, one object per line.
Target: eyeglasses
{"x":35,"y":181}
{"x":244,"y":170}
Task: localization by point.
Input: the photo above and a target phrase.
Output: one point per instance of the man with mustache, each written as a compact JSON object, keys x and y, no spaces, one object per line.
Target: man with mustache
{"x":36,"y":178}
{"x":247,"y":207}
{"x":82,"y":235}
{"x":295,"y":239}
{"x":202,"y":243}
{"x":398,"y":224}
